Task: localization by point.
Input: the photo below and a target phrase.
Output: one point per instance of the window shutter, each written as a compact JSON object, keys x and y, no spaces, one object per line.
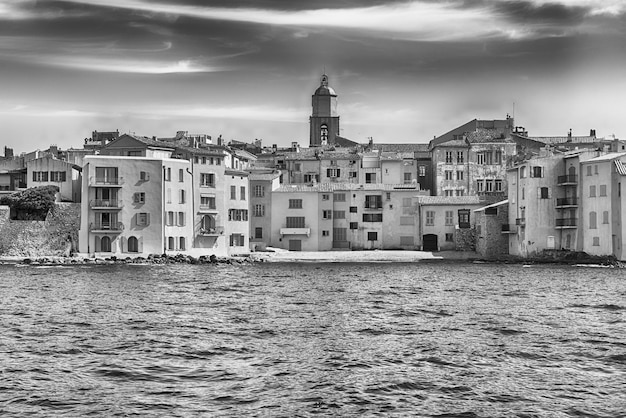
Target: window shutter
{"x":338,"y":172}
{"x":328,"y":172}
{"x":34,"y":176}
{"x":379,"y":202}
{"x":135,"y":197}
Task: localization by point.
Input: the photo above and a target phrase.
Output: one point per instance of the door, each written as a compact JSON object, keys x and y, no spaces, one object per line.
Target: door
{"x":430,"y":243}
{"x":295,"y":245}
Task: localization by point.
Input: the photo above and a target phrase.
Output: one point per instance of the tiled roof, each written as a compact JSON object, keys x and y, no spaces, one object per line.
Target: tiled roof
{"x":481,"y":135}
{"x":331,"y":187}
{"x":453,"y":143}
{"x":606,"y":157}
{"x":150,"y":142}
{"x":263,"y":174}
{"x":449,"y":200}
{"x":402,"y":147}
{"x":244,"y":154}
{"x":564,"y":139}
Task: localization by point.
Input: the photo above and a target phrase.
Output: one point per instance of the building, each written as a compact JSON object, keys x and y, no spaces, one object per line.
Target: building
{"x":324,"y":120}
{"x":262,"y":185}
{"x":492,"y":240}
{"x":50,"y":171}
{"x":340,"y":216}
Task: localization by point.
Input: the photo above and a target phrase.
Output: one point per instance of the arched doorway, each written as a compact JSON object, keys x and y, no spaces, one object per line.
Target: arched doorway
{"x":430,"y":242}
{"x":105,"y":244}
{"x":133,"y":245}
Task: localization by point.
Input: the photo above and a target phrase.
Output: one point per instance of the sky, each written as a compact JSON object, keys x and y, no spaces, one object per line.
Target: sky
{"x":404,"y":71}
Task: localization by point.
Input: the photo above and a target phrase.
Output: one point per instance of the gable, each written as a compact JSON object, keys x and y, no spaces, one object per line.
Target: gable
{"x":126,"y":141}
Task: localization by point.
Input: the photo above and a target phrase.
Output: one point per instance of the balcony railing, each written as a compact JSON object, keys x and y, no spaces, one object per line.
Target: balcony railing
{"x":113,"y":227}
{"x":567,"y":201}
{"x":295,"y":231}
{"x":105,"y":204}
{"x":207,"y":208}
{"x":520,"y":221}
{"x":498,"y":194}
{"x":569,"y":179}
{"x":509,"y":229}
{"x":212,"y":231}
{"x":106,"y":181}
{"x":566,"y":222}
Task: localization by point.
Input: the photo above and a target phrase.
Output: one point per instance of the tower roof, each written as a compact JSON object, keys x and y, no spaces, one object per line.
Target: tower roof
{"x":324,"y":89}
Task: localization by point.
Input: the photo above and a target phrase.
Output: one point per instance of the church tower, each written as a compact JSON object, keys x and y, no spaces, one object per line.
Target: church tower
{"x":324,"y":119}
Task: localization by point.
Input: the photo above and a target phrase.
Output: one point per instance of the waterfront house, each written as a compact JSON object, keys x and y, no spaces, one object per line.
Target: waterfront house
{"x":262,"y":183}
{"x":66,"y":176}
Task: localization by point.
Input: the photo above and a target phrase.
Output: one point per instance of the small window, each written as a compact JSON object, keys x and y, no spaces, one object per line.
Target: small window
{"x":139,"y":197}
{"x":142,"y":219}
{"x":259,"y":191}
{"x":325,"y":196}
{"x":449,"y":237}
{"x":596,"y":241}
{"x":327,"y":214}
{"x":422,"y":170}
{"x":388,"y":196}
{"x":430,"y":217}
{"x":144,"y":176}
{"x":603,"y":190}
{"x":592,"y":191}
{"x":295,"y":203}
{"x":459,"y":175}
{"x":182,"y":198}
{"x":325,"y":233}
{"x":258,"y":232}
{"x":353,"y":209}
{"x":181,"y":243}
{"x":544,"y":193}
{"x":408,"y":178}
{"x":181,"y":218}
{"x":588,"y":170}
{"x":233,"y":192}
{"x":593,"y":220}
{"x":242,"y":193}
{"x":448,"y":174}
{"x":605,"y":217}
{"x":354,"y":225}
{"x":181,"y":175}
{"x":449,"y":217}
{"x":372,"y":236}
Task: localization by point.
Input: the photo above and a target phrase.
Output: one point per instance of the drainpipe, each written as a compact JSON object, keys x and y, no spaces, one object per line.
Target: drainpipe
{"x":193,"y":204}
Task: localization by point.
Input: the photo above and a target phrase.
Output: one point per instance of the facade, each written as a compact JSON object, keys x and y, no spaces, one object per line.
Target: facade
{"x":50,"y":171}
{"x":492,"y":242}
{"x":262,"y":185}
{"x":324,"y":120}
{"x":339,"y":216}
{"x":447,"y":223}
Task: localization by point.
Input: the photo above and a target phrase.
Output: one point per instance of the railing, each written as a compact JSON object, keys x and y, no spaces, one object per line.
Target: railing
{"x":520,"y":221}
{"x":207,"y":208}
{"x":216,"y":230}
{"x":106,"y":226}
{"x":295,"y":231}
{"x":566,"y":222}
{"x":102,"y":181}
{"x":500,"y":193}
{"x":567,"y":201}
{"x":570,"y":178}
{"x":105,"y":203}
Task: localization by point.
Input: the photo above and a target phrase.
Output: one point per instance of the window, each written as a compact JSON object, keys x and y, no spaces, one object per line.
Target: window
{"x":498,"y":157}
{"x":58,"y":176}
{"x":195,"y":159}
{"x":449,"y":192}
{"x":139,"y":197}
{"x":354,"y":225}
{"x":233,"y":192}
{"x":325,"y":233}
{"x":339,"y":197}
{"x":310,"y":178}
{"x":491,"y":211}
{"x":259,"y":191}
{"x":237,"y":214}
{"x":170,"y":218}
{"x":242,"y":192}
{"x":372,"y":236}
{"x":489,"y":186}
{"x":498,"y":184}
{"x":459,"y":175}
{"x":295,"y":222}
{"x":537,"y":171}
{"x":522,"y":172}
{"x":207,"y":179}
{"x":333,"y":172}
{"x":208,"y":224}
{"x":236,"y":240}
{"x":327,"y":214}
{"x":603,"y":190}
{"x":181,"y":175}
{"x":448,"y":174}
{"x":373,"y":202}
{"x":340,"y":234}
{"x":407,"y":220}
{"x":168,"y":174}
{"x":168,"y":195}
{"x":181,"y":196}
{"x":325,"y":196}
{"x":181,"y":243}
{"x":207,"y":202}
{"x":105,"y":244}
{"x":448,"y":157}
{"x":422,"y":170}
{"x":480,"y":158}
{"x":523,"y":193}
{"x":459,"y":157}
{"x":430,"y":217}
{"x":352,"y":174}
{"x":203,"y":160}
{"x":480,"y":185}
{"x":388,"y":196}
{"x":488,"y":158}
{"x":211,"y":161}
{"x":592,"y":220}
{"x":464,"y":218}
{"x":605,"y":217}
{"x":592,"y":191}
{"x":407,"y":178}
{"x":449,"y":237}
{"x":339,"y":214}
{"x":588,"y":170}
{"x":372,"y":217}
{"x":543,"y":192}
{"x":595,"y":169}
{"x":258,"y":232}
{"x":143,"y":219}
{"x":297,"y":166}
{"x":449,"y":217}
{"x":353,"y":209}
{"x":370,"y":177}
{"x":259,"y":211}
{"x":144,"y":176}
{"x":596,"y":241}
{"x":40,"y":176}
{"x":295,"y":203}
{"x":218,"y":161}
{"x":181,"y":218}
{"x":333,"y":162}
{"x":133,"y":245}
{"x":460,"y":192}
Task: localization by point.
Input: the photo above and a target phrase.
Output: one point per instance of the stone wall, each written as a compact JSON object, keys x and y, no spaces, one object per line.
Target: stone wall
{"x":465,"y":239}
{"x":51,"y":237}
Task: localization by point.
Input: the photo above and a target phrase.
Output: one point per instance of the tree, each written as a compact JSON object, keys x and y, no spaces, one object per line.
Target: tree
{"x":31,"y":204}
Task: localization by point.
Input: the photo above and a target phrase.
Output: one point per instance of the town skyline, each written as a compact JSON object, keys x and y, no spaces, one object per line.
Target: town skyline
{"x":403,"y":71}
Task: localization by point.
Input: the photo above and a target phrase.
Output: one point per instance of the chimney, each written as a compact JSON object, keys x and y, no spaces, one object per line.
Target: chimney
{"x":592,"y":132}
{"x":220,"y":140}
{"x":569,"y":135}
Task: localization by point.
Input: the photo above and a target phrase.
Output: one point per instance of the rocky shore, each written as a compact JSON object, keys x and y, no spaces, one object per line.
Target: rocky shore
{"x":150,"y":259}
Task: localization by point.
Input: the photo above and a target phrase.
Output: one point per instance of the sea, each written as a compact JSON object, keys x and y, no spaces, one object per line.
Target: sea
{"x":423,"y":339}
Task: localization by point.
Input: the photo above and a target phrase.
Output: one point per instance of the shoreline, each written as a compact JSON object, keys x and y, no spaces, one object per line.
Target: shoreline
{"x":285,"y":256}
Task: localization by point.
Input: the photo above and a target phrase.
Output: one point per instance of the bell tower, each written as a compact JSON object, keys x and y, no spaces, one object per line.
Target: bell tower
{"x":324,"y":119}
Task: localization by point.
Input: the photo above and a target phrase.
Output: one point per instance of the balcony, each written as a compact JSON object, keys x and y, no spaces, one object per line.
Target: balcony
{"x":295,"y":231}
{"x":207,"y":209}
{"x":211,"y":232}
{"x":491,"y":194}
{"x":569,"y":180}
{"x":509,"y":229}
{"x":520,"y":221}
{"x":106,"y":227}
{"x":567,"y":223}
{"x":105,"y":204}
{"x":105,"y":181}
{"x":566,"y":202}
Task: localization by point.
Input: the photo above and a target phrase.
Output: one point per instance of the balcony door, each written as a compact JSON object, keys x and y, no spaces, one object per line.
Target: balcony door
{"x":106,"y":175}
{"x":107,"y":220}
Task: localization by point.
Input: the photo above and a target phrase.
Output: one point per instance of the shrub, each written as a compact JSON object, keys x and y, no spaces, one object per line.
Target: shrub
{"x":31,"y":204}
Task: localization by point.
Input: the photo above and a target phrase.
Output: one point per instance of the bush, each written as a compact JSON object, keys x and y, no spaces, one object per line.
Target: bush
{"x":31,"y":204}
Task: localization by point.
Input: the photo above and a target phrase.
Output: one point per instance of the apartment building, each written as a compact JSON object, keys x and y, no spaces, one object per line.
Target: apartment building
{"x":51,"y":171}
{"x":262,"y":184}
{"x":335,"y":216}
